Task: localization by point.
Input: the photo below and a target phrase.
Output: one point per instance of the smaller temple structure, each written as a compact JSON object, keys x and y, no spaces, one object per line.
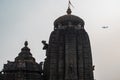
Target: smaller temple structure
{"x":24,"y":67}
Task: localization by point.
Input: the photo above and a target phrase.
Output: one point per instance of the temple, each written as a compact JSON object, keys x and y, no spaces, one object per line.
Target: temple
{"x":68,"y":55}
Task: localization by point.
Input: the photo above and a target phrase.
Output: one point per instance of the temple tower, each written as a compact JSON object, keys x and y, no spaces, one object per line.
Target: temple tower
{"x":68,"y":54}
{"x":23,"y":68}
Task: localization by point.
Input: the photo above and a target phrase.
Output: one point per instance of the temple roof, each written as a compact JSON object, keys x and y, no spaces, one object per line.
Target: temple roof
{"x":24,"y":61}
{"x":25,"y":54}
{"x":63,"y":20}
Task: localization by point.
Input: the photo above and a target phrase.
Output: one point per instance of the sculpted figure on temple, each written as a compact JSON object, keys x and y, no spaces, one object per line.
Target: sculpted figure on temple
{"x":45,"y":45}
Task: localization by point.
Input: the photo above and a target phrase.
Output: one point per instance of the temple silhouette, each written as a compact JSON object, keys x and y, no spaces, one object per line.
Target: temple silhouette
{"x":68,"y":55}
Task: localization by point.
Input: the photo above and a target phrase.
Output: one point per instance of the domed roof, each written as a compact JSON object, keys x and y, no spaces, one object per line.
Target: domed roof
{"x":69,"y":18}
{"x":75,"y":20}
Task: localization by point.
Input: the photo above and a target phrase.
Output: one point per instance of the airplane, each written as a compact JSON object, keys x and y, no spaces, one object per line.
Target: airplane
{"x":105,"y":27}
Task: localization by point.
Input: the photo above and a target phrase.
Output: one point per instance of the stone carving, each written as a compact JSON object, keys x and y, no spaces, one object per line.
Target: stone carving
{"x":45,"y":45}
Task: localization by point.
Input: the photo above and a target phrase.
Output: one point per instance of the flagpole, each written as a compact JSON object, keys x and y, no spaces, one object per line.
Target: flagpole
{"x":70,"y":4}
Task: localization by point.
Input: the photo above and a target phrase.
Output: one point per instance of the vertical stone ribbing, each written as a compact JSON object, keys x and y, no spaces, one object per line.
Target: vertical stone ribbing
{"x":70,"y":55}
{"x":61,"y":56}
{"x":87,"y":58}
{"x":80,"y":60}
{"x":53,"y":55}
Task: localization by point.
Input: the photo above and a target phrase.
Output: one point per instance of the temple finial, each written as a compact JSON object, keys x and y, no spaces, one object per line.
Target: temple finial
{"x":69,"y":9}
{"x":26,"y":43}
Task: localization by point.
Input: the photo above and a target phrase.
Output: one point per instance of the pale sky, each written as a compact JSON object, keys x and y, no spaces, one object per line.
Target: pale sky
{"x":32,"y":20}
